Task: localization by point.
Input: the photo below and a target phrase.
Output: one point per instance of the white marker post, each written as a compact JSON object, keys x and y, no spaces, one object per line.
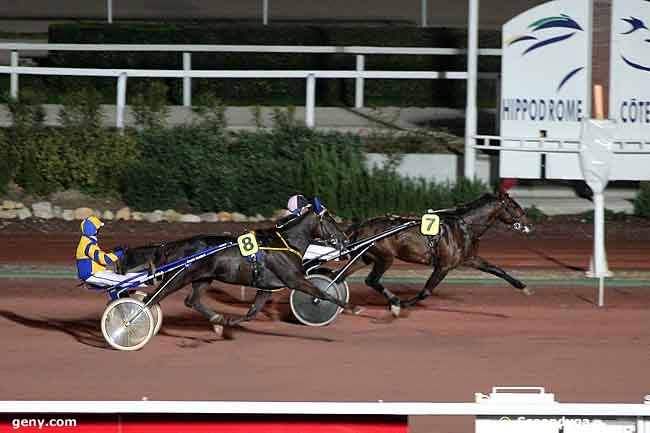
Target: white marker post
{"x":596,"y":158}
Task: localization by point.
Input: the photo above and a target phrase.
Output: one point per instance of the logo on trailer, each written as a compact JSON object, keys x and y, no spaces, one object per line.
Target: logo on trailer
{"x":538,"y":38}
{"x":634,"y":51}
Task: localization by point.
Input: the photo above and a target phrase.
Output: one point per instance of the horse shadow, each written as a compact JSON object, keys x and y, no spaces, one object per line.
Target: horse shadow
{"x":87,"y":331}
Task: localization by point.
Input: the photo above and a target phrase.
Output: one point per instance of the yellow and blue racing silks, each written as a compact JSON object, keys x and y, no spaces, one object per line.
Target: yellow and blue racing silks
{"x":90,"y":258}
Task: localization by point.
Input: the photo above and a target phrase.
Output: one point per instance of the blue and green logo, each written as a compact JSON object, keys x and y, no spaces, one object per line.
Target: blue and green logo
{"x":538,"y":37}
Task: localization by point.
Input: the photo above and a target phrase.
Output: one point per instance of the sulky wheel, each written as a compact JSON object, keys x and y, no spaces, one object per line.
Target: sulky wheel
{"x":312,"y":311}
{"x":127,"y":325}
{"x":156,"y":311}
{"x":344,"y":289}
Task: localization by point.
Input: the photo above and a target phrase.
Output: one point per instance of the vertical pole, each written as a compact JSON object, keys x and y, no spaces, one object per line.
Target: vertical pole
{"x":265,"y":12}
{"x":423,"y":13}
{"x":13,"y":80}
{"x":599,"y":245}
{"x":311,"y":101}
{"x":121,"y":100}
{"x":109,"y":11}
{"x":472,"y":74}
{"x":588,"y":67}
{"x":187,"y":81}
{"x":358,"y":82}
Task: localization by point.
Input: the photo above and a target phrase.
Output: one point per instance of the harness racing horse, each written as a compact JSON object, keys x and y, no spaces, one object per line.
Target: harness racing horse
{"x":277,"y":265}
{"x":456,"y":244}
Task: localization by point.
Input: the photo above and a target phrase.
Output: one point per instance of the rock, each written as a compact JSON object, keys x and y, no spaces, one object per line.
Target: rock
{"x":189,"y":218}
{"x":43,"y":209}
{"x":23,"y":213}
{"x":18,"y":205}
{"x":238,"y":217}
{"x":224,"y":217}
{"x":82,"y":213}
{"x":260,"y":217}
{"x":209,"y":217}
{"x":153,"y":217}
{"x":67,"y":214}
{"x":280,"y":213}
{"x":8,"y":204}
{"x":170,"y":215}
{"x":123,"y":214}
{"x":8,"y":214}
{"x":108,"y":215}
{"x":136,"y":216}
{"x":57,"y":212}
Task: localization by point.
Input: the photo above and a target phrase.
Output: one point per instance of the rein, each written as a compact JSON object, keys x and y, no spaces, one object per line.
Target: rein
{"x":285,"y":248}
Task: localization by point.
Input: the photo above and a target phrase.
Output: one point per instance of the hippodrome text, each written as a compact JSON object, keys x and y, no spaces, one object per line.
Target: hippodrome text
{"x":542,"y":110}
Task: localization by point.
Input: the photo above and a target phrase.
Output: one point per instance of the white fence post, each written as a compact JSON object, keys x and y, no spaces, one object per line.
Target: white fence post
{"x":311,"y":101}
{"x":187,"y":81}
{"x":265,"y":12}
{"x":109,"y":11}
{"x":121,"y":100}
{"x":423,"y":13}
{"x":358,"y":82}
{"x":13,"y":80}
{"x":472,"y":74}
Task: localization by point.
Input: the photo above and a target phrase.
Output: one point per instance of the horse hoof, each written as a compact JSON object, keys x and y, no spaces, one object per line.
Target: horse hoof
{"x":395,"y":310}
{"x":527,"y":291}
{"x":218,"y":329}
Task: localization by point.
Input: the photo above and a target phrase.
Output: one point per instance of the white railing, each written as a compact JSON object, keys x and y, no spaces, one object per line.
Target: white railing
{"x":500,"y":411}
{"x":554,"y":145}
{"x":359,"y":74}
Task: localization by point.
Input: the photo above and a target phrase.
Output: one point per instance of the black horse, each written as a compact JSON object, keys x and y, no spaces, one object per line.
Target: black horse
{"x":277,"y":265}
{"x":456,"y":244}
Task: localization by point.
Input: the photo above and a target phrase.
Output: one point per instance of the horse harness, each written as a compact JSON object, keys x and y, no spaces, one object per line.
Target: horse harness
{"x":257,"y":259}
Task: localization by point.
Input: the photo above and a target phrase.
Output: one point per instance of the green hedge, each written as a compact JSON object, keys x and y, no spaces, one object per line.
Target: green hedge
{"x":204,"y":167}
{"x":448,"y":93}
{"x":642,"y":202}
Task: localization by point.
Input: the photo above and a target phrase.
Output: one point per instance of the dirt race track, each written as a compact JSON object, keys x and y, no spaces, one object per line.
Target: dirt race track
{"x":475,"y":334}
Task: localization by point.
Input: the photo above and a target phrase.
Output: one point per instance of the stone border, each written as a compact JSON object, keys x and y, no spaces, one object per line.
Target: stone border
{"x":43,"y":209}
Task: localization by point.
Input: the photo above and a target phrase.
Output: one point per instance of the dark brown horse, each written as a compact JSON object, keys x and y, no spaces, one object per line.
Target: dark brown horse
{"x":456,"y":244}
{"x":278,"y":265}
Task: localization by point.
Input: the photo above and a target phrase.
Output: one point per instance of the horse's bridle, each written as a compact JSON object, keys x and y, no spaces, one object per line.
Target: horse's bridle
{"x":517,"y":225}
{"x":323,"y":229}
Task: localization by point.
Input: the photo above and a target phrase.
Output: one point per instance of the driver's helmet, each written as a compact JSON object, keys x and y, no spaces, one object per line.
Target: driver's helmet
{"x":91,"y":225}
{"x":296,"y":204}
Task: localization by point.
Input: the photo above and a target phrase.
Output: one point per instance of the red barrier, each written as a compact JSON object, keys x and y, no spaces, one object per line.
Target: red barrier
{"x":203,"y":423}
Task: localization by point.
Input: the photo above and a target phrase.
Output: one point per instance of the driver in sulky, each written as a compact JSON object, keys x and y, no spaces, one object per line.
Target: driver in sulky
{"x":92,"y":260}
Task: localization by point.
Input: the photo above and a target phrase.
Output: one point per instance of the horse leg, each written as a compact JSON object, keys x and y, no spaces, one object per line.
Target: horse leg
{"x":381,"y":263}
{"x":260,"y":299}
{"x":193,"y":300}
{"x":436,"y":277}
{"x":483,"y":265}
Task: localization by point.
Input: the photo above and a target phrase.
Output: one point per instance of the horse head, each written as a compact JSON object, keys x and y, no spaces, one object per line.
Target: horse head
{"x":510,"y":213}
{"x":327,"y":229}
{"x":316,"y":223}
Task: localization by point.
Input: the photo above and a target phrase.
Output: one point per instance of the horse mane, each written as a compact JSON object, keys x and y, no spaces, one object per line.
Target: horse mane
{"x":470,"y":206}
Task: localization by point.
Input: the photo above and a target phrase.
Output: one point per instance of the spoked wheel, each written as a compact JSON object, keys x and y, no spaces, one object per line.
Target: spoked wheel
{"x":344,"y":289}
{"x":312,"y":311}
{"x":127,"y":325}
{"x":156,"y":311}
